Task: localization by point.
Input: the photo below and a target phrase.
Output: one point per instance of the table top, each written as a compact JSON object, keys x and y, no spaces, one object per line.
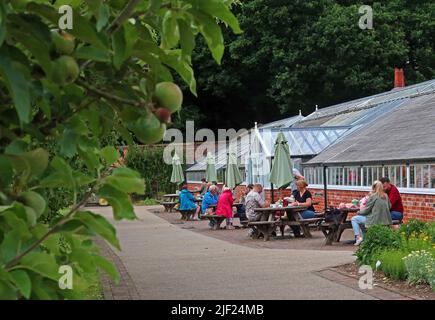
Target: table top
{"x":235,"y":204}
{"x":348,"y":210}
{"x":171,"y":195}
{"x":289,"y":208}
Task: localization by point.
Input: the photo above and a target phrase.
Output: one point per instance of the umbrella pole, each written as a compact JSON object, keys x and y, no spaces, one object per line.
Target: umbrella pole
{"x":325,"y":187}
{"x":272,"y":193}
{"x":271,"y":184}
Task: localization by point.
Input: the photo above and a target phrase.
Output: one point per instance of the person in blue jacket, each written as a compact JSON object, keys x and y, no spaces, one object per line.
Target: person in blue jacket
{"x":210,"y":198}
{"x":187,"y":201}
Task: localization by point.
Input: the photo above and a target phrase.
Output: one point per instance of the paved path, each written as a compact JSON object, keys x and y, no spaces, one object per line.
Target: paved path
{"x":168,"y":262}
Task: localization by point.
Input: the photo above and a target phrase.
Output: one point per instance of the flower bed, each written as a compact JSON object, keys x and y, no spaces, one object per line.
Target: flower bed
{"x":406,"y":254}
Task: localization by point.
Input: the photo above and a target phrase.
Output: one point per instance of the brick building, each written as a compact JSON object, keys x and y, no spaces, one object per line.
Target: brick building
{"x":351,"y":145}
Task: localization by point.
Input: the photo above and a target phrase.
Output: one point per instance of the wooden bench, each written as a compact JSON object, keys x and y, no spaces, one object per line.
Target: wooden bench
{"x":186,"y":214}
{"x":305,"y":225}
{"x":215,"y":219}
{"x":169,"y":205}
{"x":262,"y":227}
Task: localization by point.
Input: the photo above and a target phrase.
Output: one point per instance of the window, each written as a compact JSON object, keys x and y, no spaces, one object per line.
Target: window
{"x":421,"y":176}
{"x":195,"y":175}
{"x":314,"y":175}
{"x":398,"y":175}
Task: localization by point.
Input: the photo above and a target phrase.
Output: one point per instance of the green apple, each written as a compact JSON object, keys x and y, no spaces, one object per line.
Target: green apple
{"x":65,"y":70}
{"x":63,"y":42}
{"x":168,"y":95}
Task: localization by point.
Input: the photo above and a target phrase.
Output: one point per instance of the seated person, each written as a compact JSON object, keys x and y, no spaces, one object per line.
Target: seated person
{"x":219,"y":191}
{"x":225,"y":206}
{"x":377,"y":211}
{"x":253,"y":201}
{"x":203,"y":189}
{"x":303,"y":197}
{"x":210,"y":198}
{"x":297,"y":176}
{"x":241,"y":211}
{"x":187,"y":201}
{"x":395,"y":199}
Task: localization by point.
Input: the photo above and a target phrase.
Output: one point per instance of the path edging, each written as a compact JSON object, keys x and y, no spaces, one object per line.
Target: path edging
{"x":125,"y":289}
{"x":380,"y":291}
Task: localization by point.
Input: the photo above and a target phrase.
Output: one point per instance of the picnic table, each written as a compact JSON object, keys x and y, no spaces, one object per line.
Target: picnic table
{"x":334,"y":230}
{"x":235,"y":204}
{"x":268,"y":222}
{"x":169,"y":201}
{"x":217,"y":219}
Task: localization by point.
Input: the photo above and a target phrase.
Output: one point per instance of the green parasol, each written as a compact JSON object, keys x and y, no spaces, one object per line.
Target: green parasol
{"x":177,"y":175}
{"x":281,"y":173}
{"x":210,"y":172}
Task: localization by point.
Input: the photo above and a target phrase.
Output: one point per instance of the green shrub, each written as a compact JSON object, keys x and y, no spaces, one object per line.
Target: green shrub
{"x":413,"y":227}
{"x":430,"y":230}
{"x":420,"y":266}
{"x":377,"y":238}
{"x":416,"y":242}
{"x":149,"y":163}
{"x":392,"y":263}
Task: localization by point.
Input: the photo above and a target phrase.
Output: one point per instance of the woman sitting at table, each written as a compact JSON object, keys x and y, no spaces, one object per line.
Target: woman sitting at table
{"x":376,"y":211}
{"x":303,"y":197}
{"x":225,"y":206}
{"x":187,"y":201}
{"x":210,"y":199}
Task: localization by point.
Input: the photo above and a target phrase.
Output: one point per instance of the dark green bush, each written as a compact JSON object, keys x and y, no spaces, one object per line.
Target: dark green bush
{"x":149,"y":163}
{"x":377,"y":239}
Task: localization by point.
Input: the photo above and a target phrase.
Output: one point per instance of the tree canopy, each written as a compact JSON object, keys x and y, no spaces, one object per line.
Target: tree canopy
{"x":66,"y":98}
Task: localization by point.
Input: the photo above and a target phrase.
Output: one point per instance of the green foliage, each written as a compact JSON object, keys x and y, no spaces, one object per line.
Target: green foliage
{"x":60,"y":106}
{"x":421,"y":268}
{"x":430,"y":230}
{"x":405,"y":254}
{"x":416,"y":242}
{"x":377,"y":239}
{"x":392,"y":263}
{"x":148,"y":162}
{"x":412,"y":227}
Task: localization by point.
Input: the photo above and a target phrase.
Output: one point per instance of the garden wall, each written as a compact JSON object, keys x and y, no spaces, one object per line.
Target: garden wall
{"x":417,"y":206}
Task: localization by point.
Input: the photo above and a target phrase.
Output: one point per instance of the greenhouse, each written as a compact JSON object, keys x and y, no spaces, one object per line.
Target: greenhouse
{"x":351,"y":144}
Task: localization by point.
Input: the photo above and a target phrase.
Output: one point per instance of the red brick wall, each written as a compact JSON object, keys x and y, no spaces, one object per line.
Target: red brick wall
{"x":416,"y":206}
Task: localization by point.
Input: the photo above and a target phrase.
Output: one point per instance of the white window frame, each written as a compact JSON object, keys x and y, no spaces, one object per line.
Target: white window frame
{"x":400,"y":174}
